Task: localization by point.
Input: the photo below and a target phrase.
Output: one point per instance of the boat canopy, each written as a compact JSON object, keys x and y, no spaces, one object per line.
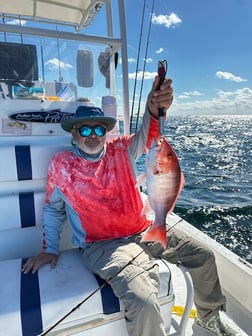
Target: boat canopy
{"x":78,"y":13}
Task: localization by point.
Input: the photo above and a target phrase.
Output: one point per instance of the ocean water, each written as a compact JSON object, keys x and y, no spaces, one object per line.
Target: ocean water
{"x":215,"y":154}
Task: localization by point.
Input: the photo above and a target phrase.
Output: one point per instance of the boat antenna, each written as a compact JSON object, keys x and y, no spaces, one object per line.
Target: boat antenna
{"x":5,"y":36}
{"x":42,"y":59}
{"x":145,"y":58}
{"x":137,"y":65}
{"x":21,"y":35}
{"x":60,"y":74}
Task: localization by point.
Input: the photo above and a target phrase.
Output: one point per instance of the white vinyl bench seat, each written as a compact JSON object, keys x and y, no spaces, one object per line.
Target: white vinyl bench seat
{"x":32,"y":303}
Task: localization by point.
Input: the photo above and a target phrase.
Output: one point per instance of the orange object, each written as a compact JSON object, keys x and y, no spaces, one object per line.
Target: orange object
{"x":52,"y":98}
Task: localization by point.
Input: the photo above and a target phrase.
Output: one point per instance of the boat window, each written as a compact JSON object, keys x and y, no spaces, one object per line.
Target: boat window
{"x":51,"y":68}
{"x":18,"y":62}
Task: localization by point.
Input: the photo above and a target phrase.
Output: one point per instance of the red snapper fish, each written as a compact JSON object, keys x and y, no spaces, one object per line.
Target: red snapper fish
{"x":165,"y":181}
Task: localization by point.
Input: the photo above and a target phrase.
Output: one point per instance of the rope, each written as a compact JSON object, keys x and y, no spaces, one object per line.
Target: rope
{"x":179,"y":310}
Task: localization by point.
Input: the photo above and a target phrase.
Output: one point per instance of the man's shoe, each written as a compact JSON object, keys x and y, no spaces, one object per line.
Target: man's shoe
{"x":212,"y":327}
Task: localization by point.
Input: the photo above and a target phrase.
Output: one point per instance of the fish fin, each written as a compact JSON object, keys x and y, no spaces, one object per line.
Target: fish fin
{"x":182,"y":182}
{"x":181,"y":186}
{"x":147,"y":210}
{"x":156,"y":233}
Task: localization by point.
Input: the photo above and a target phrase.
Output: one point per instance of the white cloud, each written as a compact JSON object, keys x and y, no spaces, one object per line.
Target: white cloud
{"x":225,"y":94}
{"x":131,"y":60}
{"x":166,"y":20}
{"x":159,"y":51}
{"x":54,"y":63}
{"x":188,"y":94}
{"x":147,"y":75}
{"x":229,"y":76}
{"x":243,"y":95}
{"x":148,"y":60}
{"x":226,"y":102}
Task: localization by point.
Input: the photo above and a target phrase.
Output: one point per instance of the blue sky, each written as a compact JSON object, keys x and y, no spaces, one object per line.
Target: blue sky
{"x":208,"y":48}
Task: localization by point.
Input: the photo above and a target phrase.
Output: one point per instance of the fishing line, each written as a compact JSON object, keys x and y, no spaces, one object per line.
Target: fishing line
{"x":137,"y":65}
{"x":145,"y":58}
{"x":98,"y":288}
{"x":171,"y":227}
{"x":59,"y":60}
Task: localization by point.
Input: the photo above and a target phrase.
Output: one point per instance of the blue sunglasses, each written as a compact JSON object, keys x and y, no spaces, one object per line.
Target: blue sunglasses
{"x":85,"y":131}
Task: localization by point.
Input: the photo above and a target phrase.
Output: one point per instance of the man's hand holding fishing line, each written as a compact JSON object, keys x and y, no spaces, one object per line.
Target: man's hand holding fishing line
{"x":160,"y":98}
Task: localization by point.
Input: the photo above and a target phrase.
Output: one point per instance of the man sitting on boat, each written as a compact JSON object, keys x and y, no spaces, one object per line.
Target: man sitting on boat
{"x":94,"y":186}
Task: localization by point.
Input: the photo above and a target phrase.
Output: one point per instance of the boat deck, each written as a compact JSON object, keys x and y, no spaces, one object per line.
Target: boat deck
{"x":179,"y":289}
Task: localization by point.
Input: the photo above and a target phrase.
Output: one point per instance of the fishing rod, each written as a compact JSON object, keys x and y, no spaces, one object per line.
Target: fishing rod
{"x":137,"y":68}
{"x":98,"y":288}
{"x":162,"y":70}
{"x":144,"y":66}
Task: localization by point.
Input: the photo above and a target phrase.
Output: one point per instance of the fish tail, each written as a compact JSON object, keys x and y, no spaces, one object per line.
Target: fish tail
{"x":156,"y":233}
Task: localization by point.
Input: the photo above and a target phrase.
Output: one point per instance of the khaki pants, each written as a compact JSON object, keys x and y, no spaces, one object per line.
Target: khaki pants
{"x":136,"y":285}
{"x":133,"y":275}
{"x":200,"y":262}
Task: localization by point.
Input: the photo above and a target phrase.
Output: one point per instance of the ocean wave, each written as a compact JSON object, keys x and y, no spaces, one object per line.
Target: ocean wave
{"x":230,"y":226}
